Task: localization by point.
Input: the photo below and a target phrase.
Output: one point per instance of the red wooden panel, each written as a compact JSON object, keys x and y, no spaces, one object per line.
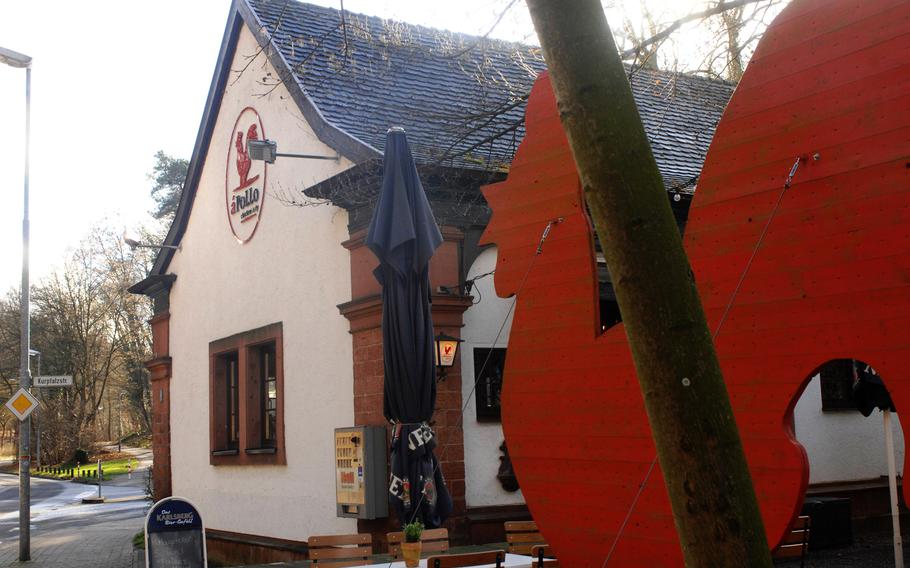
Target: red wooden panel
{"x":832,"y":280}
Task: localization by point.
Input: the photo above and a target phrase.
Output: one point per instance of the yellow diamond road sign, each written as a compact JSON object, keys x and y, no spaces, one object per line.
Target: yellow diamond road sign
{"x":22,"y":404}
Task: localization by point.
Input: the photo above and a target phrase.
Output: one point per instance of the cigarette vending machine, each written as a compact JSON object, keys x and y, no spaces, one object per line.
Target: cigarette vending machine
{"x":361,"y":475}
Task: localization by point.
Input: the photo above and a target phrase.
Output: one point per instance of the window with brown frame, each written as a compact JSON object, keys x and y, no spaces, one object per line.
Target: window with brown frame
{"x":247,"y":367}
{"x":262,"y":399}
{"x":226,"y":415}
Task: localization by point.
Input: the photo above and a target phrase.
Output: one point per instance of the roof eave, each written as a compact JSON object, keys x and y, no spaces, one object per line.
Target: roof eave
{"x":203,"y":140}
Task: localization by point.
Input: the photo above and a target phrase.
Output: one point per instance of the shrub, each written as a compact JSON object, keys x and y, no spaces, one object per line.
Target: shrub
{"x":80,"y":456}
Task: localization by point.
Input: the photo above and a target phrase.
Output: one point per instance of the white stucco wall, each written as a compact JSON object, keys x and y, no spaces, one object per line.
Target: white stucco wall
{"x":294,"y":271}
{"x":482,"y":323}
{"x":843,"y":445}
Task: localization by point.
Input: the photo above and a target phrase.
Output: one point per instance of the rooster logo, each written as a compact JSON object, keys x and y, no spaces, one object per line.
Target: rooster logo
{"x":245,"y":189}
{"x":243,"y":157}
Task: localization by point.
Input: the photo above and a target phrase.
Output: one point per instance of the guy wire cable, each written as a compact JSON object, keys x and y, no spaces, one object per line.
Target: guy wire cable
{"x":723,"y":318}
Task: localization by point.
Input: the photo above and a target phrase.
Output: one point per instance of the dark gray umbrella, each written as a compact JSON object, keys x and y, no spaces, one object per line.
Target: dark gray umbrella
{"x":404,"y":235}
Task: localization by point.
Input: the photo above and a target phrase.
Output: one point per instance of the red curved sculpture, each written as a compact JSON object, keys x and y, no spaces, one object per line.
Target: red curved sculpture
{"x":831,"y":279}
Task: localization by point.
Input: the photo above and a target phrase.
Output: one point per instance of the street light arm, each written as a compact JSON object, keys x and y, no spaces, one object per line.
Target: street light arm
{"x":134,"y":244}
{"x":14,"y":58}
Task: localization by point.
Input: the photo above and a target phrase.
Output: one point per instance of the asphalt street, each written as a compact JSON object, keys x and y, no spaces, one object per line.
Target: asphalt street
{"x":66,"y":533}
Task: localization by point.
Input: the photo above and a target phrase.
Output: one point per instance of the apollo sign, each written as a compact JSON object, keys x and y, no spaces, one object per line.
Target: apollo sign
{"x":244,"y":180}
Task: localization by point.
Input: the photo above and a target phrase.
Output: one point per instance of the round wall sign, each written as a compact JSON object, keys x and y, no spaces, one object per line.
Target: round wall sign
{"x":244,"y":180}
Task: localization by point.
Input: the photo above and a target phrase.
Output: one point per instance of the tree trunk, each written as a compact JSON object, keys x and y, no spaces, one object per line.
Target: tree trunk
{"x":698,"y":445}
{"x":733,"y":23}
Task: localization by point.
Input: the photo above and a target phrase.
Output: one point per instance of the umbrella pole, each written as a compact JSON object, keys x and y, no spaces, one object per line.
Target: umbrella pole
{"x":892,"y":484}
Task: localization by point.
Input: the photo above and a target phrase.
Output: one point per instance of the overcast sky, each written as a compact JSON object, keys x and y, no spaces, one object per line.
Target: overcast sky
{"x":115,"y":81}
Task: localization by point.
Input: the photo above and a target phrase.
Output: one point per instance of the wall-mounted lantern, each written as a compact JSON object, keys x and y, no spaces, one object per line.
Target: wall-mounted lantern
{"x":446,"y":350}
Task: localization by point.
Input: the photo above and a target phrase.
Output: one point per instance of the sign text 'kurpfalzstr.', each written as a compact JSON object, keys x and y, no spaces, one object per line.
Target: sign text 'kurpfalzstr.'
{"x":53,"y":381}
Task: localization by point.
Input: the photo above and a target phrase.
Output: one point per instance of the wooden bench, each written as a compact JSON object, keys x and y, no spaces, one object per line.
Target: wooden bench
{"x":522,"y":536}
{"x":341,"y":550}
{"x":432,"y":540}
{"x":796,"y":542}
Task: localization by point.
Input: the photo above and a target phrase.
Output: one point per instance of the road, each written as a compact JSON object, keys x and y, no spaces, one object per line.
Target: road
{"x":64,"y":532}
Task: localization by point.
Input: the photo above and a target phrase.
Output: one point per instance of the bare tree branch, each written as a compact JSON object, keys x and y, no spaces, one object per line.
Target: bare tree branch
{"x":667,"y":31}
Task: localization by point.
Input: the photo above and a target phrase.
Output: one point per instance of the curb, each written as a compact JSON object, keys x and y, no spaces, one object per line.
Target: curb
{"x":128,"y":499}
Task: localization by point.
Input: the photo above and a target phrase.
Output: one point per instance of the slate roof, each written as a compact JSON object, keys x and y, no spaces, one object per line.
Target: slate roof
{"x":461,"y":98}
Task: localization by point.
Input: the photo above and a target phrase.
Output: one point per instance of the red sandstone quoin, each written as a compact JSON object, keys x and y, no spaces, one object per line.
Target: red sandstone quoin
{"x":829,"y":281}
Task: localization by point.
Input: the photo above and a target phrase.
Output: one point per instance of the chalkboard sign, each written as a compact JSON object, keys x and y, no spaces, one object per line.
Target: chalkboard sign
{"x":174,"y":535}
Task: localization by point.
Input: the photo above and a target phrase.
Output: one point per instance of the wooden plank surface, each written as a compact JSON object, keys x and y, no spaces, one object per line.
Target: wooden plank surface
{"x":832,"y":280}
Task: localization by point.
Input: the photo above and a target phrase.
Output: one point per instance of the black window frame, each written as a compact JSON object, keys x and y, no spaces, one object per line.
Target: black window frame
{"x":836,"y":385}
{"x":488,"y":381}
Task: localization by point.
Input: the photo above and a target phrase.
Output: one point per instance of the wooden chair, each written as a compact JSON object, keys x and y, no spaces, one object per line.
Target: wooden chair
{"x":432,"y":540}
{"x":522,"y":536}
{"x":542,"y":557}
{"x":495,"y":557}
{"x":796,"y":541}
{"x":341,"y":550}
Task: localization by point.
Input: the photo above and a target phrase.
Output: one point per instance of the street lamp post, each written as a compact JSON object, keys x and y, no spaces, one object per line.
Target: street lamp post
{"x":15,"y":59}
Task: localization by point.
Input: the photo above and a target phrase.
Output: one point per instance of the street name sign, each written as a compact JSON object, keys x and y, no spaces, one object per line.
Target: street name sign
{"x":22,"y":404}
{"x":53,"y":381}
{"x":174,"y":535}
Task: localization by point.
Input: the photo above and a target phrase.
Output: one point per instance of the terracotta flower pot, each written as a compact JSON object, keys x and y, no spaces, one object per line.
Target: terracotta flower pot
{"x":410,"y":551}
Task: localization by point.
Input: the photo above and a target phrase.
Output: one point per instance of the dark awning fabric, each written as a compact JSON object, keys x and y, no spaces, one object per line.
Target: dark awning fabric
{"x":403,"y":235}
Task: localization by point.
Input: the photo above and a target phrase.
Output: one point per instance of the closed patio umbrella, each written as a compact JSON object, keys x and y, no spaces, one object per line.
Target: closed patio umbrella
{"x":404,"y":235}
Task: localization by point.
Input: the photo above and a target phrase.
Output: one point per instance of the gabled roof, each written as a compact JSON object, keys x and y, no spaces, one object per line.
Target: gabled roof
{"x":461,"y":98}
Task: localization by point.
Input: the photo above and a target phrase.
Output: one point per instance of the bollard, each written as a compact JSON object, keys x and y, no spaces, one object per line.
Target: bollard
{"x":100,"y":478}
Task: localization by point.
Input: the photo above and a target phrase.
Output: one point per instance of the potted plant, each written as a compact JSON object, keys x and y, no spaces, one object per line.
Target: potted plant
{"x":410,"y":548}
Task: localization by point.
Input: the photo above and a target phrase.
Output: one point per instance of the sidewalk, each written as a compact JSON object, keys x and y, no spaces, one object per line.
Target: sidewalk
{"x":95,"y":545}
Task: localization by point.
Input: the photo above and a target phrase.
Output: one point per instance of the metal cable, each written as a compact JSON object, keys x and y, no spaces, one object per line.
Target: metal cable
{"x":720,"y":323}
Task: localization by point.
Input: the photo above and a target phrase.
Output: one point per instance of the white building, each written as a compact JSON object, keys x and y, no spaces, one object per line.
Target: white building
{"x":266,"y":327}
